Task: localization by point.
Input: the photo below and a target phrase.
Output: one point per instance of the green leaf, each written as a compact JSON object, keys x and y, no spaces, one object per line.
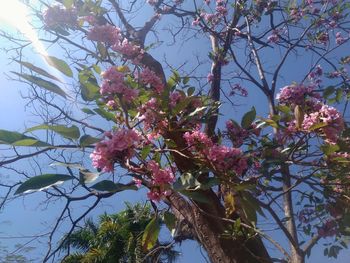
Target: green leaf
{"x":19,"y":139}
{"x":96,"y":68}
{"x":67,"y":132}
{"x":185,"y":80}
{"x":190,"y":91}
{"x":102,"y":50}
{"x":209,"y":183}
{"x":248,"y":118}
{"x":37,"y":70}
{"x":196,"y":196}
{"x":269,"y":122}
{"x":86,"y":177}
{"x":181,"y":105}
{"x":87,"y":140}
{"x":328,"y":91}
{"x":60,"y":65}
{"x":88,"y":85}
{"x":151,"y":233}
{"x":110,"y":186}
{"x":43,"y":84}
{"x":197,"y":110}
{"x":250,"y":206}
{"x":283,"y":108}
{"x":169,"y":220}
{"x":70,"y":165}
{"x":317,"y":126}
{"x":42,"y":182}
{"x":105,"y":114}
{"x":88,"y":111}
{"x":328,"y":149}
{"x":30,"y":142}
{"x":145,"y":151}
{"x":68,"y":3}
{"x":186,"y":181}
{"x":176,"y":76}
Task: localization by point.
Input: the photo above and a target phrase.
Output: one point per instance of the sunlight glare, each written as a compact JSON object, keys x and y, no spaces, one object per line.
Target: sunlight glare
{"x":15,"y":14}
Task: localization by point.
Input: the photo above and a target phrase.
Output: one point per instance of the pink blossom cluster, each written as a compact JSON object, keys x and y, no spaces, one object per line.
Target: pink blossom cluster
{"x":175,"y":98}
{"x":238,"y":89}
{"x":296,"y":14}
{"x":226,"y":158}
{"x":149,"y":113}
{"x":152,"y":2}
{"x":151,"y":117}
{"x":197,"y":140}
{"x":148,"y":77}
{"x":223,"y":158}
{"x":58,"y":15}
{"x":315,"y":75}
{"x":210,"y":77}
{"x":295,"y":94}
{"x":160,"y":176}
{"x":338,"y":73}
{"x":236,"y":133}
{"x":329,"y":116}
{"x":105,"y":33}
{"x":221,"y":7}
{"x":113,"y":84}
{"x":119,"y":146}
{"x":322,"y":38}
{"x":274,"y":37}
{"x":161,"y":179}
{"x":340,"y":155}
{"x":328,"y":229}
{"x":112,"y":36}
{"x":339,"y":39}
{"x":213,"y":18}
{"x":129,"y":50}
{"x":306,"y":215}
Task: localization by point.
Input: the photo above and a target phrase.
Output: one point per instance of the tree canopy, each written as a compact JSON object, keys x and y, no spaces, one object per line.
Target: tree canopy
{"x":230,"y":116}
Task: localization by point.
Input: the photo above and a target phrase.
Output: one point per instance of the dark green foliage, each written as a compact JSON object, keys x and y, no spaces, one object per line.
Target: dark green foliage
{"x":117,"y":238}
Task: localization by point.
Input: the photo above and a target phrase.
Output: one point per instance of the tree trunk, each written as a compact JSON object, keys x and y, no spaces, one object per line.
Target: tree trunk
{"x":208,"y":230}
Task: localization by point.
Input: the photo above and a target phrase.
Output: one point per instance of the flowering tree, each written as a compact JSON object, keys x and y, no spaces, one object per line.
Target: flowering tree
{"x":286,"y":161}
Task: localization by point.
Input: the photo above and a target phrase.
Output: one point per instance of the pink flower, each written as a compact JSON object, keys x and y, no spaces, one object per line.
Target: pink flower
{"x":157,"y":194}
{"x":331,"y":117}
{"x":175,"y":98}
{"x":328,"y":229}
{"x":196,"y":22}
{"x":322,"y":38}
{"x":223,"y":158}
{"x":160,"y":176}
{"x":197,"y":140}
{"x":161,"y":179}
{"x":138,"y":182}
{"x":119,"y":146}
{"x":152,"y":2}
{"x":149,"y":113}
{"x":113,"y":84}
{"x":238,"y":88}
{"x":295,"y":94}
{"x":148,"y":77}
{"x":210,"y":77}
{"x":105,"y":33}
{"x":236,"y":133}
{"x":128,"y":50}
{"x":60,"y":16}
{"x":339,"y":39}
{"x":226,"y":159}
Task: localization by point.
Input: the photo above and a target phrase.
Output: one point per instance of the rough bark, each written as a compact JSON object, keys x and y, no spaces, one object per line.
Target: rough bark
{"x":208,"y":232}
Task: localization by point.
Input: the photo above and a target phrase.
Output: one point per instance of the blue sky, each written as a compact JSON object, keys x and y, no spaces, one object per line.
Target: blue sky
{"x":24,"y":216}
